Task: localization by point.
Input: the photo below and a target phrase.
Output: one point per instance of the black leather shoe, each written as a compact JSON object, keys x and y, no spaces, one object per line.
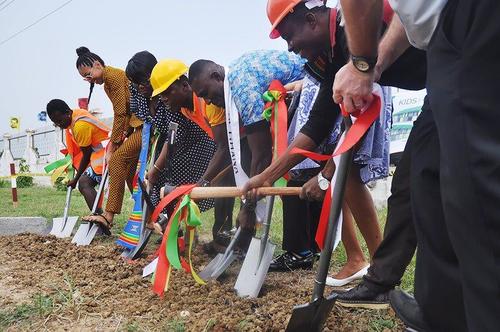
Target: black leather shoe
{"x":407,"y":309}
{"x":290,"y":261}
{"x":363,"y":296}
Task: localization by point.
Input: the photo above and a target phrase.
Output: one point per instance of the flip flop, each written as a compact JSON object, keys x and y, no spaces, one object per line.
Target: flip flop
{"x":105,"y":225}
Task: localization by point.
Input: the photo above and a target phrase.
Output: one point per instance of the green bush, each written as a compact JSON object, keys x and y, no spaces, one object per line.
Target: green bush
{"x":59,"y":184}
{"x":4,"y":183}
{"x":24,"y":181}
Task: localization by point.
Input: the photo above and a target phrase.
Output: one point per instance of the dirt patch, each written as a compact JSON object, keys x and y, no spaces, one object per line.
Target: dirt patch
{"x":94,"y":289}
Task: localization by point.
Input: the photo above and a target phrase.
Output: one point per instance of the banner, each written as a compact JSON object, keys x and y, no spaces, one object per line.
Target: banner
{"x":407,"y":106}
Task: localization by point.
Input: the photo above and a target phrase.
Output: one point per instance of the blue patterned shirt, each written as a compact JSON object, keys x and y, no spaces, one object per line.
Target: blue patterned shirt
{"x":249,"y":77}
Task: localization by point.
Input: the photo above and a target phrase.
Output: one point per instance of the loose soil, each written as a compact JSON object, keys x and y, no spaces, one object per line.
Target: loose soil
{"x":93,"y":289}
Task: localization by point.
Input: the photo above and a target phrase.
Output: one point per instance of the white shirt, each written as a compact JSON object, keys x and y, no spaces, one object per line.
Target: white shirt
{"x":420,"y":18}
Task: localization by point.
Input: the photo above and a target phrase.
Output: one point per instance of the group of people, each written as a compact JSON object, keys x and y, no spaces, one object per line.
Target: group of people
{"x":445,"y":189}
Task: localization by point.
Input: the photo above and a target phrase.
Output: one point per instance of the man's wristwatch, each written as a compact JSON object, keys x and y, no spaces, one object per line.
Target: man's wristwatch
{"x":364,"y":64}
{"x":323,"y":182}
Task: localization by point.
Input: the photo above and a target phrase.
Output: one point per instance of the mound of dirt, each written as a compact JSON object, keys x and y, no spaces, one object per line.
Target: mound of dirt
{"x":104,"y":292}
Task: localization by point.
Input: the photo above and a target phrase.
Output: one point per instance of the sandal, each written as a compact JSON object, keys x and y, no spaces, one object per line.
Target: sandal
{"x":103,"y":223}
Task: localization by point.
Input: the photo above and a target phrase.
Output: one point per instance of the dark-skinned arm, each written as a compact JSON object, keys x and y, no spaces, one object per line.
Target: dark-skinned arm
{"x":220,"y":158}
{"x":84,"y":163}
{"x":159,"y":164}
{"x":260,"y":144}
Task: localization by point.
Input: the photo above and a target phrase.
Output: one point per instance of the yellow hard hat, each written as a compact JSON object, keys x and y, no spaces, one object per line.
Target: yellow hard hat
{"x":165,"y":73}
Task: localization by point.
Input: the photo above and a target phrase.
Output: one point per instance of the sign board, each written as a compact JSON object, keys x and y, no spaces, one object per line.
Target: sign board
{"x":407,"y":106}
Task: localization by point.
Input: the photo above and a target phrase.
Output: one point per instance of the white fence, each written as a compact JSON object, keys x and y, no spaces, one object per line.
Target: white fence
{"x":38,"y":147}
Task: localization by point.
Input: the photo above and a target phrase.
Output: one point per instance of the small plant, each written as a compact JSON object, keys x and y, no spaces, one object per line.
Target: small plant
{"x":24,"y":181}
{"x":175,"y":326}
{"x":59,"y":184}
{"x":4,"y":183}
{"x":40,"y":306}
{"x":381,"y":324}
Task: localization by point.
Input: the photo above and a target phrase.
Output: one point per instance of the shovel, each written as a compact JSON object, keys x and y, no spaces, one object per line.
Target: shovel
{"x":257,"y":260}
{"x":149,"y":206}
{"x":312,"y":316}
{"x":63,"y":227}
{"x":221,"y":262}
{"x":88,"y":230}
{"x":146,"y":234}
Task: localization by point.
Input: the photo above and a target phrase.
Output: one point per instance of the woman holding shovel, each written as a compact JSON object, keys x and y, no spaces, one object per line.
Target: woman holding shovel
{"x":174,"y":167}
{"x":125,"y":144}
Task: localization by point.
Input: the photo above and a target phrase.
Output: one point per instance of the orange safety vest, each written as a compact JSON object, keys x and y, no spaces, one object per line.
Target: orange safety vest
{"x":199,"y":115}
{"x":97,"y":157}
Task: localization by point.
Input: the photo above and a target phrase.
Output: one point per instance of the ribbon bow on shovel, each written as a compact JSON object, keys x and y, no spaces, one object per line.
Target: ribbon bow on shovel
{"x":275,"y":111}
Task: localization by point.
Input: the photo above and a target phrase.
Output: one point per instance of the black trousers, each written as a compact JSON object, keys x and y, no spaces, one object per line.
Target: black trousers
{"x":400,"y":240}
{"x":223,"y":210}
{"x":300,"y":222}
{"x":458,"y":264}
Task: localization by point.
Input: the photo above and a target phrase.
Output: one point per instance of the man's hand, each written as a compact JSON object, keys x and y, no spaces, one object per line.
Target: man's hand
{"x":72,"y":183}
{"x":353,"y":88}
{"x":311,"y":190}
{"x":250,"y":188}
{"x":246,"y":217}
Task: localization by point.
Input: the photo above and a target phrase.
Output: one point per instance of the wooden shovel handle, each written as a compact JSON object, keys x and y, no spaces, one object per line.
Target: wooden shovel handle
{"x":220,"y":192}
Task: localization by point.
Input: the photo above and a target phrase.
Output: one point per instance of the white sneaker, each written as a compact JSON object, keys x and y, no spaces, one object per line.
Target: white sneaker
{"x":342,"y":282}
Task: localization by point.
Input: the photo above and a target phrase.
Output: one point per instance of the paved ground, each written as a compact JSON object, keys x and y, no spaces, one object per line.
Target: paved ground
{"x":17,"y":225}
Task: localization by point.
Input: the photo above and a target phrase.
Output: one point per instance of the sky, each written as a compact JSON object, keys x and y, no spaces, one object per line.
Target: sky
{"x":39,"y":64}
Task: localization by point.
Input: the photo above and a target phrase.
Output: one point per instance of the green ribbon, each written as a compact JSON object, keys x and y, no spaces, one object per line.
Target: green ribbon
{"x":270,"y":97}
{"x":192,"y":219}
{"x":58,"y":163}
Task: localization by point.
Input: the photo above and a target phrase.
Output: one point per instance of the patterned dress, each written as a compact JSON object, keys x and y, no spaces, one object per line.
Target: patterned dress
{"x":192,"y":151}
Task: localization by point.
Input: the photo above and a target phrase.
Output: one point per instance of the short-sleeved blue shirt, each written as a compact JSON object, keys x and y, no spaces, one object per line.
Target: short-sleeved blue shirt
{"x":249,"y":77}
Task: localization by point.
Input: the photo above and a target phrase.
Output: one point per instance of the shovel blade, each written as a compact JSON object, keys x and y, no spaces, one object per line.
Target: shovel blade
{"x":137,"y":251}
{"x":224,"y":265}
{"x":253,"y":274}
{"x":67,"y":229}
{"x":85,"y":234}
{"x":206,"y":273}
{"x":57,"y":225}
{"x":311,"y":316}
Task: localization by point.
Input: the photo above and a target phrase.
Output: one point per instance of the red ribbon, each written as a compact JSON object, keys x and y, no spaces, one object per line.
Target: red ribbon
{"x":363,"y":122}
{"x":279,"y":121}
{"x":163,"y":267}
{"x":176,"y":193}
{"x":360,"y":127}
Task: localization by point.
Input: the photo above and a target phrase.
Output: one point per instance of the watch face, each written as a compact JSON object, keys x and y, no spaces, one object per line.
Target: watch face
{"x":323,"y":184}
{"x":362,"y":65}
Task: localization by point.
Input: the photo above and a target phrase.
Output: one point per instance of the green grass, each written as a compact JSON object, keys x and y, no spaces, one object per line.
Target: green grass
{"x":49,"y":203}
{"x":39,"y":306}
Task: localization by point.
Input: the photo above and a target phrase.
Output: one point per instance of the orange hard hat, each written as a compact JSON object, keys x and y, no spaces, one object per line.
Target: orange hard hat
{"x":276,"y":11}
